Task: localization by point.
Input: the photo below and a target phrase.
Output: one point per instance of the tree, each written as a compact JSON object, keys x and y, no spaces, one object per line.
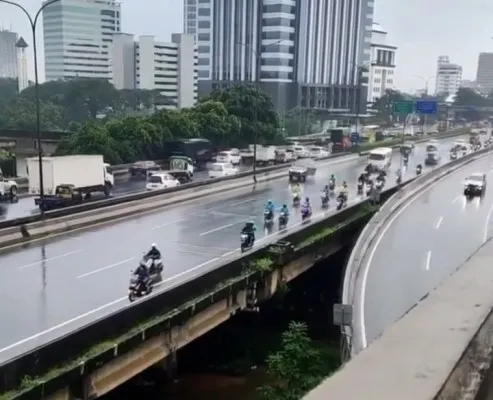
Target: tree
{"x":215,"y":123}
{"x":468,"y":97}
{"x":20,"y":114}
{"x":8,"y":90}
{"x":254,"y":110}
{"x":91,"y":138}
{"x":174,"y":124}
{"x":297,"y":368}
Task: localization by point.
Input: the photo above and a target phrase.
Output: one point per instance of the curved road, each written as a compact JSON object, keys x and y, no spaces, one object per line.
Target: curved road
{"x":53,"y":287}
{"x":424,"y":243}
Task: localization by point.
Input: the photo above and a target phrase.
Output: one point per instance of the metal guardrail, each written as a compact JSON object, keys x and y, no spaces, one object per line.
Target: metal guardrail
{"x":371,"y":230}
{"x":41,"y":359}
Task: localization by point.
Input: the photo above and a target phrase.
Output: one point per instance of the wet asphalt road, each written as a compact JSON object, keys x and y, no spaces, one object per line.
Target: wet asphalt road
{"x":51,"y":288}
{"x":432,"y":237}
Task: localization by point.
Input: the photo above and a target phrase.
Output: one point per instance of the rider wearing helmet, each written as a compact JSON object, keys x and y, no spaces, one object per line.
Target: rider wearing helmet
{"x":270,"y":207}
{"x":284,"y":210}
{"x":296,"y":189}
{"x":326,"y":191}
{"x":154,"y":252}
{"x":306,"y":205}
{"x":344,"y":190}
{"x":142,"y":274}
{"x":249,"y":230}
{"x":332,"y":181}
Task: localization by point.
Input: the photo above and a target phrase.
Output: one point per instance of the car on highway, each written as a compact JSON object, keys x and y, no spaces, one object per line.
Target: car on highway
{"x":142,"y":168}
{"x":231,"y":156}
{"x":475,"y":184}
{"x":318,"y":152}
{"x":221,"y":170}
{"x":161,"y":180}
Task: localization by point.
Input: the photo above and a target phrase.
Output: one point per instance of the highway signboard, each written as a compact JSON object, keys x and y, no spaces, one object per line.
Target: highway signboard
{"x":355,"y":138}
{"x":403,"y":107}
{"x":426,"y":107}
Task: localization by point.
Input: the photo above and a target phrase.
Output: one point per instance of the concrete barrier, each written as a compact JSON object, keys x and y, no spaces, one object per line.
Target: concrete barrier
{"x":371,"y":231}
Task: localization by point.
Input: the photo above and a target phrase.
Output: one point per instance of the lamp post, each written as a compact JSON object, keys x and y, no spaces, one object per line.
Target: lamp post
{"x":258,"y":62}
{"x":33,"y":22}
{"x":426,"y":81}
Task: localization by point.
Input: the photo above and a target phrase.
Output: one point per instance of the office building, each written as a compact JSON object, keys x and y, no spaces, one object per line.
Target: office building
{"x":484,"y":76}
{"x":302,"y":52}
{"x":382,"y":65}
{"x":77,"y":38}
{"x":8,"y":54}
{"x":169,"y":68}
{"x":448,"y":77}
{"x":22,"y":79}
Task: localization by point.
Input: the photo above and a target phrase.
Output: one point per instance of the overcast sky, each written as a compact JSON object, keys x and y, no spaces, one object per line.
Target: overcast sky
{"x":422,"y":29}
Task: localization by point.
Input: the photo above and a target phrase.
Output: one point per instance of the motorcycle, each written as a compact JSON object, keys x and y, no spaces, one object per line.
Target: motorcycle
{"x":268,"y":217}
{"x":296,"y":200}
{"x":406,"y":161}
{"x":154,"y":265}
{"x":306,"y":212}
{"x":246,"y":242}
{"x":341,"y":201}
{"x":325,"y":200}
{"x":359,"y":188}
{"x":138,"y":289}
{"x":453,"y":156}
{"x":398,"y":180}
{"x":418,"y":170}
{"x":369,"y":188}
{"x":379,"y":185}
{"x":283,"y":220}
{"x":332,"y":185}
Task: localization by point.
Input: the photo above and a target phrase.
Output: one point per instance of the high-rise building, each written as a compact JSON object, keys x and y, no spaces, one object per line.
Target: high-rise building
{"x":448,"y":77}
{"x":484,"y":76}
{"x":77,"y":38}
{"x":169,"y":68}
{"x":8,"y":54}
{"x":22,"y":79}
{"x":382,"y":66}
{"x":302,"y":52}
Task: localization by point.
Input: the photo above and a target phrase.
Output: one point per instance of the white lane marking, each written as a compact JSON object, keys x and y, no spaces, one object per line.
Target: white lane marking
{"x":171,"y":278}
{"x":169,"y":223}
{"x":105,"y":268}
{"x":456,"y":199}
{"x":366,"y":270}
{"x":487,"y":224}
{"x":241,"y":202}
{"x":219,"y":228}
{"x":428,"y":260}
{"x":439,"y":222}
{"x":48,"y":260}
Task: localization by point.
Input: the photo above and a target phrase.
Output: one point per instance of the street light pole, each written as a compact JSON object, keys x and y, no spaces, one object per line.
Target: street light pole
{"x":426,"y":81}
{"x":33,"y":22}
{"x":258,"y":62}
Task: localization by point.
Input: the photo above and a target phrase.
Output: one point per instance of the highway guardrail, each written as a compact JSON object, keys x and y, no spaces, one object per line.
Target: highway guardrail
{"x":367,"y":237}
{"x":41,"y":359}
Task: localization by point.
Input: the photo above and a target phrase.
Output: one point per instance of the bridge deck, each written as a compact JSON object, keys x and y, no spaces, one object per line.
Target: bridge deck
{"x":415,"y":357}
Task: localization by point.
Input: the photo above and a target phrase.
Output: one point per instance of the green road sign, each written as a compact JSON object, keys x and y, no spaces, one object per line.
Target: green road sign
{"x":403,"y":107}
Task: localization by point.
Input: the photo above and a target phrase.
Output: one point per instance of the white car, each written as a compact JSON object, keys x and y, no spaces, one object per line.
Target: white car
{"x":220,"y":170}
{"x":301,"y":152}
{"x":8,"y":188}
{"x":231,"y":156}
{"x":318,"y":152}
{"x":475,"y":184}
{"x":161,"y":181}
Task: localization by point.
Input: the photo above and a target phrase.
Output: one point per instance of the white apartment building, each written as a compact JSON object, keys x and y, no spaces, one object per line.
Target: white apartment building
{"x":77,"y":38}
{"x":8,"y":54}
{"x":382,"y":65}
{"x":484,"y":76}
{"x":448,"y":76}
{"x":170,"y":68}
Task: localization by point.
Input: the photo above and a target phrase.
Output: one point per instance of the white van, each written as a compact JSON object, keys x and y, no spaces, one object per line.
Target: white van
{"x":220,"y":170}
{"x":380,"y":158}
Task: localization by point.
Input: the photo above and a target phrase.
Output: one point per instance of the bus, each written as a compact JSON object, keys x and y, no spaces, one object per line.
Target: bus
{"x":198,"y":149}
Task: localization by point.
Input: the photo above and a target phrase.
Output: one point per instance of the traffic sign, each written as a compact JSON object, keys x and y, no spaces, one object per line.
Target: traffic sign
{"x":426,"y":107}
{"x":355,"y":137}
{"x":403,"y":107}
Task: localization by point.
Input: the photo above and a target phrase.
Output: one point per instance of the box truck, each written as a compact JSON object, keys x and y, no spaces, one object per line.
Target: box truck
{"x":69,"y":180}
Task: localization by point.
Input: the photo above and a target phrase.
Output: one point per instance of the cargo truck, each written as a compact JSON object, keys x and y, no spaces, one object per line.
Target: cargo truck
{"x":69,"y":180}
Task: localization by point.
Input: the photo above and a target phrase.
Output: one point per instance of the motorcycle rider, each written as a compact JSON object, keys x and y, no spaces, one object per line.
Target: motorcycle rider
{"x":296,"y":190}
{"x":419,"y":168}
{"x":154,"y":252}
{"x":249,"y":230}
{"x":284,"y":211}
{"x":142,"y":274}
{"x":332,"y":181}
{"x":306,"y":205}
{"x":270,"y":207}
{"x":362,"y":178}
{"x":343,"y":192}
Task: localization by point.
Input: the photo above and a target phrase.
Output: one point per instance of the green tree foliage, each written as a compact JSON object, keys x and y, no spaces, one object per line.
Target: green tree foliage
{"x":298,"y":367}
{"x":20,"y":114}
{"x":254,"y":110}
{"x":138,"y":138}
{"x":469,"y":97}
{"x":299,"y":121}
{"x":8,"y":90}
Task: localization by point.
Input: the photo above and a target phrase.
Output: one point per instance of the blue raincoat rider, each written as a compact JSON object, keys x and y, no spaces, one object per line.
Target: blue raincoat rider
{"x":284,"y":211}
{"x":270,"y":207}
